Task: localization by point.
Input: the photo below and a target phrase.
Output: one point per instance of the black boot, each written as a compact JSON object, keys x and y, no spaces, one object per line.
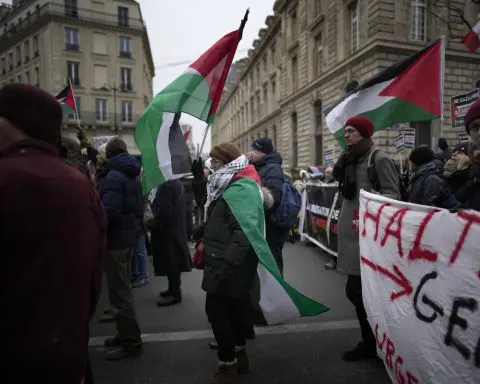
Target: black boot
{"x":166,"y":301}
{"x":361,"y":352}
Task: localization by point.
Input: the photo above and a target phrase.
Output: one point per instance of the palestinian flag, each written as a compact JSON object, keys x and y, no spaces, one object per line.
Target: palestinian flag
{"x":472,"y":39}
{"x":278,"y":300}
{"x":196,"y":92}
{"x":66,"y":98}
{"x":410,"y":90}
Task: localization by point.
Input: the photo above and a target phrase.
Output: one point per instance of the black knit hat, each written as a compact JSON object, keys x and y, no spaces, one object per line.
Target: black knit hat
{"x":461,"y":148}
{"x":264,"y":145}
{"x":32,"y":110}
{"x":421,"y":155}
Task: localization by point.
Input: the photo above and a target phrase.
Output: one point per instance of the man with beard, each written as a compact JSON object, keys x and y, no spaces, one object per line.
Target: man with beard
{"x":352,"y":176}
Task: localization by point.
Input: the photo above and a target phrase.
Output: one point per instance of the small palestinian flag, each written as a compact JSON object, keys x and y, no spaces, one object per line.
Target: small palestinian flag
{"x":196,"y":92}
{"x":472,"y":38}
{"x":410,"y":90}
{"x":67,"y":100}
{"x":278,"y":301}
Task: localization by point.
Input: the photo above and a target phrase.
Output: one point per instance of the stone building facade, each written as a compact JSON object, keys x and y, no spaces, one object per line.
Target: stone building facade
{"x":313,"y":52}
{"x":101,"y":46}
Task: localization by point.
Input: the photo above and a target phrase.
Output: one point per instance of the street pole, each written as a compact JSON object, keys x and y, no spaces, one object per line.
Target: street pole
{"x":115,"y":106}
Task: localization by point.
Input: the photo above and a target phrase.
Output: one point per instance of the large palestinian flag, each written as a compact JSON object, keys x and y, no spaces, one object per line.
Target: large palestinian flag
{"x":410,"y":90}
{"x":66,"y":99}
{"x":196,"y":92}
{"x":278,"y":300}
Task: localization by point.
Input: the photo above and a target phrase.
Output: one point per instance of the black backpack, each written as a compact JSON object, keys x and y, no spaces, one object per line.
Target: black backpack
{"x":375,"y":181}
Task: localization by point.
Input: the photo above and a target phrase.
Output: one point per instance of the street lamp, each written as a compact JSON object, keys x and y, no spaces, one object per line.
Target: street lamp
{"x":114,"y":89}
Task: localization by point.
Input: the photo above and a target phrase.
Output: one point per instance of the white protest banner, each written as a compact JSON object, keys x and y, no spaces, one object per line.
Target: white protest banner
{"x":97,"y":141}
{"x":421,"y":288}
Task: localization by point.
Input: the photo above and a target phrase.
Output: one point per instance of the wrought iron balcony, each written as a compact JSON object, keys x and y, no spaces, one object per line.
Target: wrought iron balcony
{"x":89,"y":118}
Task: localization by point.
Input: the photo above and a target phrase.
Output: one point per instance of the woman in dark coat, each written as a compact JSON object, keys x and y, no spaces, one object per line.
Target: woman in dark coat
{"x":171,"y":255}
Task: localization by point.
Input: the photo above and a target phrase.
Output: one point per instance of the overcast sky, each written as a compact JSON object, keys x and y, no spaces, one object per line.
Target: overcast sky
{"x":181,"y":30}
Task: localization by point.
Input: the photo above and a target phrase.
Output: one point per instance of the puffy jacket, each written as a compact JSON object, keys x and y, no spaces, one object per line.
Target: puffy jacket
{"x":270,"y":170}
{"x":230,"y":261}
{"x":458,"y":184}
{"x":119,"y":190}
{"x":428,"y":188}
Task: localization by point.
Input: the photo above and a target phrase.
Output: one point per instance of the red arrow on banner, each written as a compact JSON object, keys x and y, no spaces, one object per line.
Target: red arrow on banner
{"x":397,"y":276}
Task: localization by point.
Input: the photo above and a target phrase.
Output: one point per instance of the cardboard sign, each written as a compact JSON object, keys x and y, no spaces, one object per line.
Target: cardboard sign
{"x":459,"y":106}
{"x":329,"y":157}
{"x":421,"y":288}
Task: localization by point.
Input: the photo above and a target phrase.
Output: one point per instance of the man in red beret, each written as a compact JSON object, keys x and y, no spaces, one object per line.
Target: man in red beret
{"x":52,"y":233}
{"x":351,"y":173}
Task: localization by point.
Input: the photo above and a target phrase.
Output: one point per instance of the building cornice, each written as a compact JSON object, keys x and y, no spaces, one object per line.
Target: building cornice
{"x":263,"y":120}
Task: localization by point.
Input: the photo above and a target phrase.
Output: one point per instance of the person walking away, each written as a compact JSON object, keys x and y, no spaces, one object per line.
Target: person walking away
{"x":189,"y":197}
{"x":268,"y":163}
{"x":171,"y":255}
{"x":119,"y":190}
{"x":230,"y":264}
{"x":53,"y":241}
{"x":445,"y":151}
{"x":352,"y":176}
{"x":426,"y":187}
{"x":457,"y":173}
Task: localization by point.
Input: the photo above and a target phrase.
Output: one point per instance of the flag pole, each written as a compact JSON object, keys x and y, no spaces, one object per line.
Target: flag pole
{"x":242,"y":26}
{"x":75,"y":103}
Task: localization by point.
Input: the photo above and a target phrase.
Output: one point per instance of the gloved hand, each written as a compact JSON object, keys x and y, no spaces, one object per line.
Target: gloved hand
{"x":197,"y":168}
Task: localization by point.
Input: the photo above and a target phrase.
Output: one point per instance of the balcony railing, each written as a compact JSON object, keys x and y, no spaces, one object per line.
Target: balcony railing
{"x":126,"y":87}
{"x":72,"y":47}
{"x":11,"y":33}
{"x":125,"y":54}
{"x":108,"y":119}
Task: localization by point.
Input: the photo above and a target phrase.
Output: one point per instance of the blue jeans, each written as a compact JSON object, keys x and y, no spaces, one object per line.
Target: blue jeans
{"x":140,"y":260}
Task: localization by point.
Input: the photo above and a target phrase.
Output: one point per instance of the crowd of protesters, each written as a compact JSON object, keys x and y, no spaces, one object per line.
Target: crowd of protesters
{"x":70,"y":213}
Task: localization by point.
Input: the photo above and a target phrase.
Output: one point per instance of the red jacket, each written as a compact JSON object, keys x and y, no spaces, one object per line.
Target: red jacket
{"x":52,"y":245}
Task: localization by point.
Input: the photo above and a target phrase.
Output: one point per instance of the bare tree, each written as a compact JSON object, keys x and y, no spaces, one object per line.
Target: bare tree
{"x":456,"y":14}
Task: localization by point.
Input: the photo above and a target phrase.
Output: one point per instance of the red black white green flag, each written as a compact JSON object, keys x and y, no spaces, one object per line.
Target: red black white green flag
{"x":66,"y":98}
{"x":408,"y":91}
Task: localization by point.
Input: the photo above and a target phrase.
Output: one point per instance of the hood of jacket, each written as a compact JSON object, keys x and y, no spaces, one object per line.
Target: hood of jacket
{"x":271,"y":158}
{"x":424,"y":170}
{"x":124,"y":163}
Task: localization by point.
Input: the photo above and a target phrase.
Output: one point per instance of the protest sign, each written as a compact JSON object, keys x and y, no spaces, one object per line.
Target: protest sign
{"x":99,"y":140}
{"x":459,"y":106}
{"x":409,"y":138}
{"x":463,"y":138}
{"x":329,"y":157}
{"x":399,"y":142}
{"x":319,"y":218}
{"x":421,"y":288}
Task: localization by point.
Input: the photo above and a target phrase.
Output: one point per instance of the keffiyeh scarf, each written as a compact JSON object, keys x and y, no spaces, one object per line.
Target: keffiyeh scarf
{"x":219,"y":181}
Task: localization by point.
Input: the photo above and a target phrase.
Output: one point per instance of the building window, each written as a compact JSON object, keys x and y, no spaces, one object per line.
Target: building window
{"x":294,"y":26}
{"x":259,"y":106}
{"x":72,"y":39}
{"x":123,"y":16}
{"x":73,"y":72}
{"x":318,"y":116}
{"x":35,"y":46}
{"x":127,"y":111}
{"x":265,"y":99}
{"x":101,"y":109}
{"x":37,"y":76}
{"x":99,"y":76}
{"x":27,"y":77}
{"x":318,"y":55}
{"x":354,"y":27}
{"x":18,"y":54}
{"x":294,"y":127}
{"x":273,"y":54}
{"x":126,"y":79}
{"x":274,"y":136}
{"x":26,"y":46}
{"x":125,"y":46}
{"x":252,"y":110}
{"x":294,"y":73}
{"x":76,"y":115}
{"x":10,"y":61}
{"x":418,"y":20}
{"x":71,"y":8}
{"x":274,"y":92}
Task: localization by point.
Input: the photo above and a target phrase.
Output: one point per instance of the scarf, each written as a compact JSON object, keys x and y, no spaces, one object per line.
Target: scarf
{"x":219,"y":181}
{"x":345,"y":169}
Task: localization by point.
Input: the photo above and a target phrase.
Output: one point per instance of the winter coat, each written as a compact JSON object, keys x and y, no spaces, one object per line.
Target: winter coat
{"x":53,"y":239}
{"x":348,"y":260}
{"x":119,"y":190}
{"x":457,"y":182}
{"x":169,"y":235}
{"x":270,"y":170}
{"x":230,"y":261}
{"x":472,"y":189}
{"x":428,"y":188}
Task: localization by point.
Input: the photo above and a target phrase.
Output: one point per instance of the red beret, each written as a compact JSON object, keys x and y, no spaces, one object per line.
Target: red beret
{"x":472,"y":114}
{"x":362,"y":124}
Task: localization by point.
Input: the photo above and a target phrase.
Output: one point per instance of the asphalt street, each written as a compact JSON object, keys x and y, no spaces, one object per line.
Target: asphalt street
{"x":308,"y":350}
